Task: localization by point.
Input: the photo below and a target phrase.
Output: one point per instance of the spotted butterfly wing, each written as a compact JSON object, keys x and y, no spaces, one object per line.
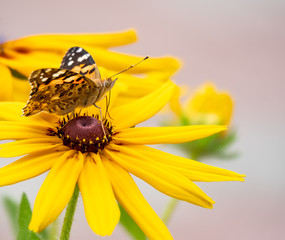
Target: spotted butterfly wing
{"x":76,"y":84}
{"x":80,"y":61}
{"x":59,"y":91}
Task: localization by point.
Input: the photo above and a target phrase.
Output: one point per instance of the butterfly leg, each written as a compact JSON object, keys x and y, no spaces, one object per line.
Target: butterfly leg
{"x":101,"y":119}
{"x":107,"y":105}
{"x":108,"y":100}
{"x":78,"y":114}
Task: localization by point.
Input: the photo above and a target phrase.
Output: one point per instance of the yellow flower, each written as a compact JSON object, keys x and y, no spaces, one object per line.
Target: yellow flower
{"x":206,"y":106}
{"x":209,"y":106}
{"x":27,"y":54}
{"x":75,"y":151}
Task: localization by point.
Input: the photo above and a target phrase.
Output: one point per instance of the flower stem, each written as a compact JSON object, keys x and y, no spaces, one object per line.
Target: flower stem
{"x":69,"y":214}
{"x":171,"y":206}
{"x":173,"y":202}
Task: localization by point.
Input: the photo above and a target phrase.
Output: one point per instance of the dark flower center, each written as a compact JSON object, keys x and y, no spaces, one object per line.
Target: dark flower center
{"x":85,"y":133}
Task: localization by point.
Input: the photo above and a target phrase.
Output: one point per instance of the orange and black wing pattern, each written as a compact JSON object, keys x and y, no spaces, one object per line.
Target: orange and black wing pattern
{"x":56,"y":90}
{"x":80,"y":61}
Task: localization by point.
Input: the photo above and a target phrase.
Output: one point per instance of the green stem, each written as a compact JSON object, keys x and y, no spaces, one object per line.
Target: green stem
{"x":171,"y":206}
{"x":195,"y":155}
{"x":69,"y":214}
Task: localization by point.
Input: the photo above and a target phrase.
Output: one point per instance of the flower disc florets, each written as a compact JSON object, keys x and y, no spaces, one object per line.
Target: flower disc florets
{"x":84,"y":133}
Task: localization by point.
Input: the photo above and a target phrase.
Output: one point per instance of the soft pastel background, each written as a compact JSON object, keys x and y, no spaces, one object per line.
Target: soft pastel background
{"x":240,"y":46}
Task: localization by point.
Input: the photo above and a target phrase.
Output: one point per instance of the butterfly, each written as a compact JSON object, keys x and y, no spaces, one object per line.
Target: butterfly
{"x":77,"y":83}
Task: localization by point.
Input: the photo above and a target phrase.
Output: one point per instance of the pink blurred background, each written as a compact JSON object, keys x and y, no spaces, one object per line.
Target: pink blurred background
{"x":240,"y":46}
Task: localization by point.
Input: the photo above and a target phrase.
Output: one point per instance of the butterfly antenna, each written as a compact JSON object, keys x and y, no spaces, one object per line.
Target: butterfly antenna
{"x":130,"y":67}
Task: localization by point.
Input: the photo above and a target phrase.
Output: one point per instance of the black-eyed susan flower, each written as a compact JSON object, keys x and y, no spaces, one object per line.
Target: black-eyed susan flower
{"x":75,"y":150}
{"x":26,"y":54}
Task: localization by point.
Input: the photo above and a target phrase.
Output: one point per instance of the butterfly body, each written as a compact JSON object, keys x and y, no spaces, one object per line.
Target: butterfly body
{"x":77,"y":83}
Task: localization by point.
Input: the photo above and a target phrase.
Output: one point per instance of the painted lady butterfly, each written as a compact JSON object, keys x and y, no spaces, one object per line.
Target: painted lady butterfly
{"x":77,"y":83}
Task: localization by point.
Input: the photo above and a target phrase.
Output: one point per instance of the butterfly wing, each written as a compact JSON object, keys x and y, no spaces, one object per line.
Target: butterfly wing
{"x":58,"y":91}
{"x":80,"y":61}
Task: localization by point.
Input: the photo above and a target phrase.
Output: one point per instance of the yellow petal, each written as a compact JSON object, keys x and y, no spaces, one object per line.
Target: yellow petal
{"x":175,"y":104}
{"x":56,"y":190}
{"x":12,"y":111}
{"x":101,"y":209}
{"x":131,"y":199}
{"x":20,"y":130}
{"x":120,"y":61}
{"x":21,"y":89}
{"x":158,"y":135}
{"x":25,"y":63}
{"x":195,"y":171}
{"x":138,"y":111}
{"x":161,"y":177}
{"x":140,"y":86}
{"x":27,"y":167}
{"x":22,"y":147}
{"x":25,"y":60}
{"x":129,"y":91}
{"x":60,"y":42}
{"x":6,"y":89}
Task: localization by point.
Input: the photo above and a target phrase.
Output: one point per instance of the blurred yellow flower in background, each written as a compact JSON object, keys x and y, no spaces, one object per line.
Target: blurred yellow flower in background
{"x":18,"y":58}
{"x":206,"y":105}
{"x":209,"y":106}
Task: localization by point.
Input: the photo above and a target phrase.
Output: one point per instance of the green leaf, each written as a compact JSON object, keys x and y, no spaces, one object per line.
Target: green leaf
{"x":45,"y":234}
{"x":212,"y":146}
{"x":20,"y":217}
{"x":25,"y":215}
{"x":129,"y":224}
{"x":12,"y":209}
{"x":229,"y":139}
{"x":18,"y":75}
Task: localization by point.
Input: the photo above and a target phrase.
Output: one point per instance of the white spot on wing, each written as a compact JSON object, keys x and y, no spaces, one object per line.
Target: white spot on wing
{"x":79,"y":50}
{"x":44,"y":79}
{"x":61,"y":72}
{"x":56,"y":74}
{"x":70,"y":63}
{"x":86,"y":56}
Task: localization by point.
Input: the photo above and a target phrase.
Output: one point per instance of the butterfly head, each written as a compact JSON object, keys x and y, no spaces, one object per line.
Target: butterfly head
{"x":109,"y":83}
